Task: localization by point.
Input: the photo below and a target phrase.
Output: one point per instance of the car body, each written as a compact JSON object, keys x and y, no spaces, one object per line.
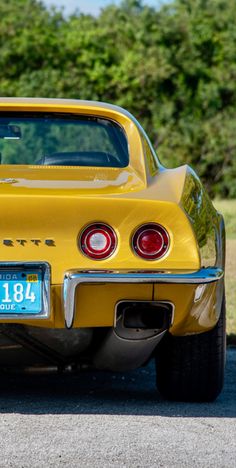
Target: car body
{"x":107,"y":257}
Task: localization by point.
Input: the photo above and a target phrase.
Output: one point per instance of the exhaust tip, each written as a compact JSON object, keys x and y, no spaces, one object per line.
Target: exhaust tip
{"x":143,"y":319}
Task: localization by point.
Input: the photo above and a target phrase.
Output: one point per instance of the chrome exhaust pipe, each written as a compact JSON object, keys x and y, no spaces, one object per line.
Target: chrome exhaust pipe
{"x":139,"y":327}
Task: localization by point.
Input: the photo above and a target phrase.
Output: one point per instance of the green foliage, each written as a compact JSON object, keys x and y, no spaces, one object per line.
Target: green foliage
{"x":174,"y":68}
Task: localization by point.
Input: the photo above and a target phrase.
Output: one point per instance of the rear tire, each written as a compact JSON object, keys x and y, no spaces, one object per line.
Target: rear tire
{"x":191,"y":368}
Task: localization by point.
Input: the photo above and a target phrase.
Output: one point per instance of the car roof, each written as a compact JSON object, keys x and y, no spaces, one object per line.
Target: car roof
{"x":68,"y":102}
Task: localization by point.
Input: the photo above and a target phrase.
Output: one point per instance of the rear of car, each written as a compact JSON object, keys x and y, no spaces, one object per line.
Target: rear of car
{"x":107,"y":258}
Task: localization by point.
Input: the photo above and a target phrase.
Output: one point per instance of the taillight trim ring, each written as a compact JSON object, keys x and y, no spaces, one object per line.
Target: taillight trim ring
{"x":162,"y":231}
{"x":87,"y":230}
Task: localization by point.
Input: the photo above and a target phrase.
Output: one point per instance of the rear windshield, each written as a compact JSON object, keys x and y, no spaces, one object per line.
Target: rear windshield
{"x":61,"y":140}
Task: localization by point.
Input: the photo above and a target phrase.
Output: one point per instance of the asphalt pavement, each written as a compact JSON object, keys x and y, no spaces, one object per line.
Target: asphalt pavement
{"x":113,"y":420}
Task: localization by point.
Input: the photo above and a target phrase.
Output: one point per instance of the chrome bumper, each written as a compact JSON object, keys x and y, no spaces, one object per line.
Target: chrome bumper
{"x":74,"y":278}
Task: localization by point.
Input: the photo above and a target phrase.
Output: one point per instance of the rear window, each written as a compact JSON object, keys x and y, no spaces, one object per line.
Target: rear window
{"x":61,"y":140}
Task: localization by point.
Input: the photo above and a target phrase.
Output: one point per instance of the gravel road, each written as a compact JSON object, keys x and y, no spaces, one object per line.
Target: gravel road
{"x":107,"y":420}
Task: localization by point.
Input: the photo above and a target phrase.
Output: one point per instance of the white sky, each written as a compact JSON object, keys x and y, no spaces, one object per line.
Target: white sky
{"x":88,"y":6}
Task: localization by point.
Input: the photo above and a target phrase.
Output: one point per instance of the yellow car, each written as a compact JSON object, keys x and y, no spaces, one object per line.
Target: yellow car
{"x":107,"y":258}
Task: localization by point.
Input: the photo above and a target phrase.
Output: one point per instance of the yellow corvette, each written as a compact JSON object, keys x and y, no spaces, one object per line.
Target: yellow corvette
{"x":106,"y":257}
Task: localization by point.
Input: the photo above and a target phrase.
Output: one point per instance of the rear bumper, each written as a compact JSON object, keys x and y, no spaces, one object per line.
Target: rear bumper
{"x":74,"y":278}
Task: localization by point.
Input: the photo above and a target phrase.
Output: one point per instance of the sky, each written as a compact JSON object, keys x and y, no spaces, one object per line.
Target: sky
{"x":88,"y":6}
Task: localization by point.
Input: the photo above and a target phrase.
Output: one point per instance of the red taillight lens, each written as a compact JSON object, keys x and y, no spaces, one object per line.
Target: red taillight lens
{"x":98,"y":241}
{"x":151,"y":241}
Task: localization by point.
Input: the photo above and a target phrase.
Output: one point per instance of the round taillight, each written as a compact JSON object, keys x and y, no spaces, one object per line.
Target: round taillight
{"x":151,"y":241}
{"x":98,"y":241}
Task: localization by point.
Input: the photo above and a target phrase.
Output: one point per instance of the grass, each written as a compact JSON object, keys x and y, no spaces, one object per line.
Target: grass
{"x":228,"y":209}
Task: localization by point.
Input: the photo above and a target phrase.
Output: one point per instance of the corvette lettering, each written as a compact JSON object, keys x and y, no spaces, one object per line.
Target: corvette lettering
{"x":24,"y":242}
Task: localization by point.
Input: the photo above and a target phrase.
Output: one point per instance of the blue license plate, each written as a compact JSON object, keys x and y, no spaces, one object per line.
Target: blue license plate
{"x":20,"y":292}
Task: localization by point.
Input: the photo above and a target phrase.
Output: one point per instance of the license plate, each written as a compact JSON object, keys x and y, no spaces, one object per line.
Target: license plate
{"x":20,"y":292}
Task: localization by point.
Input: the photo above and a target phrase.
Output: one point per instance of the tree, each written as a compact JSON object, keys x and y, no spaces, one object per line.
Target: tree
{"x":174,"y":68}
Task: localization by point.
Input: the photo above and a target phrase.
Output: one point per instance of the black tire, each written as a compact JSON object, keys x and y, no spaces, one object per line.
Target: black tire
{"x":191,"y":368}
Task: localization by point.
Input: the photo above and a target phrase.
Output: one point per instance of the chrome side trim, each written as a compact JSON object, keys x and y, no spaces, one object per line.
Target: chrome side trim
{"x":46,"y":280}
{"x":74,"y":278}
